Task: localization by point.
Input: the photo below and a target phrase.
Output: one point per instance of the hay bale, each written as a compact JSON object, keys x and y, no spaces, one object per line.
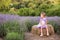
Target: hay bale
{"x":36,"y":30}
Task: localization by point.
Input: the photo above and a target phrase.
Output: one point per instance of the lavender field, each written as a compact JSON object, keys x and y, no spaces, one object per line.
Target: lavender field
{"x":23,"y":19}
{"x":6,"y":17}
{"x":18,"y":16}
{"x":25,"y":23}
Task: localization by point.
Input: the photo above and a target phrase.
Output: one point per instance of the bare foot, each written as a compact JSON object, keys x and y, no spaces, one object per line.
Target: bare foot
{"x":41,"y":35}
{"x":47,"y":34}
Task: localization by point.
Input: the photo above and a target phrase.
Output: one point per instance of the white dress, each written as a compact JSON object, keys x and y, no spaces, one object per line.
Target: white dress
{"x":43,"y":21}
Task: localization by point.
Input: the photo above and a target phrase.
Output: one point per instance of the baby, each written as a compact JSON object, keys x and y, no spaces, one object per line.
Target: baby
{"x":43,"y":23}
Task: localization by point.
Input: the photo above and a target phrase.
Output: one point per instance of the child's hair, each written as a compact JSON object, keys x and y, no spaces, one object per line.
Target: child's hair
{"x":43,"y":13}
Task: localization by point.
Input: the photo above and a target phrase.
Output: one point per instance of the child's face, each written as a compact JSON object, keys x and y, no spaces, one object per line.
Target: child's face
{"x":42,"y":15}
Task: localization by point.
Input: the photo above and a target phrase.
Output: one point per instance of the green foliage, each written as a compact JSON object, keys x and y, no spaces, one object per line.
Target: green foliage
{"x":12,"y":11}
{"x":28,"y":12}
{"x":3,"y":30}
{"x":14,"y":36}
{"x":54,"y":11}
{"x":14,"y":30}
{"x":30,"y":7}
{"x":29,"y":24}
{"x":23,"y":11}
{"x":56,"y":26}
{"x":12,"y":26}
{"x":5,"y":3}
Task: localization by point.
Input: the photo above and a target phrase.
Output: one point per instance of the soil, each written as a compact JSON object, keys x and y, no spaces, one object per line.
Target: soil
{"x":30,"y":36}
{"x":1,"y":39}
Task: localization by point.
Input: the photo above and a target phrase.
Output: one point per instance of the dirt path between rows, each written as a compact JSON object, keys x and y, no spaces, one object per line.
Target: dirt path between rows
{"x":30,"y":36}
{"x":1,"y":39}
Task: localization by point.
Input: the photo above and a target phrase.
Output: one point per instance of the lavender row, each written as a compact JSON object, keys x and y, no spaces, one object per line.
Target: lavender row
{"x":6,"y":17}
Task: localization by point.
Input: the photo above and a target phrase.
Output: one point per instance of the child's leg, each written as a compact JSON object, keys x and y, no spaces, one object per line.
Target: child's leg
{"x":41,"y":32}
{"x":47,"y":31}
